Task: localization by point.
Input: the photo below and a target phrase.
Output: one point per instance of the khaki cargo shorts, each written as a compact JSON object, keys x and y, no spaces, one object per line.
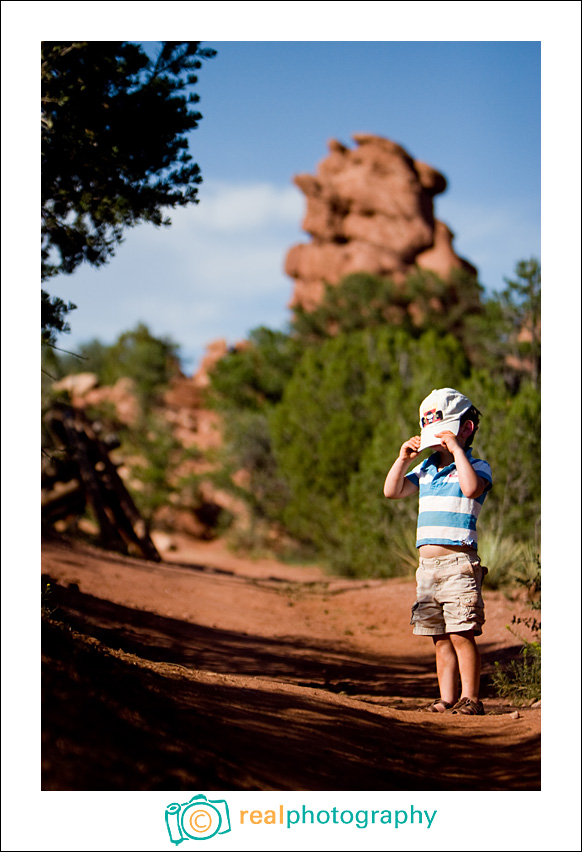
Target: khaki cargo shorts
{"x":448,"y":595}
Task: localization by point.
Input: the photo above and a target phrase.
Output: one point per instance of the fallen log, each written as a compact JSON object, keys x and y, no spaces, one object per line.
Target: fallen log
{"x":121,"y":525}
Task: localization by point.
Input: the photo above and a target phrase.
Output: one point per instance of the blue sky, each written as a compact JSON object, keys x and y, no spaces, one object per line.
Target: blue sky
{"x":470,"y":109}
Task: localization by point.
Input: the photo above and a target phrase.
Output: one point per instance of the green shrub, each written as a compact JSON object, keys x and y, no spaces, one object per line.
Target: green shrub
{"x":150,"y":361}
{"x":150,"y":482}
{"x":346,"y":410}
{"x":520,"y":680}
{"x":254,"y":377}
{"x":509,"y":561}
{"x":317,"y":416}
{"x":502,"y":556}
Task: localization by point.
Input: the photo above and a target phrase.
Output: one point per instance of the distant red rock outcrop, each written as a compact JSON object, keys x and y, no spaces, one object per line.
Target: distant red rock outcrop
{"x":369,"y":209}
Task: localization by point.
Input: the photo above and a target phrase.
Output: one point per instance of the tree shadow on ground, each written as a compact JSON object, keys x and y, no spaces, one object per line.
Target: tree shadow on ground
{"x":112,"y":724}
{"x":316,"y":664}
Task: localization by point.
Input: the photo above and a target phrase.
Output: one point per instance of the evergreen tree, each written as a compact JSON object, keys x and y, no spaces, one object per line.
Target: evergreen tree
{"x":338,"y":396}
{"x":505,"y":337}
{"x":114,"y":151}
{"x":521,"y":301}
{"x":149,"y":361}
{"x":316,"y":417}
{"x":255,"y":376}
{"x":421,"y":302}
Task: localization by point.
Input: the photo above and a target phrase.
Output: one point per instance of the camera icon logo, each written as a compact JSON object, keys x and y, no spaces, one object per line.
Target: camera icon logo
{"x":198,"y":819}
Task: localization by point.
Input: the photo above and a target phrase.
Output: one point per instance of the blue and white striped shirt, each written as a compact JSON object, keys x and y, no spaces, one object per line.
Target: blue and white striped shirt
{"x":445,"y":515}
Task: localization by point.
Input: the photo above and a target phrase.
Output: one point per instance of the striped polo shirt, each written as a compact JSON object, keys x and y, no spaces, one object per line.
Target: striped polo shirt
{"x":445,"y":515}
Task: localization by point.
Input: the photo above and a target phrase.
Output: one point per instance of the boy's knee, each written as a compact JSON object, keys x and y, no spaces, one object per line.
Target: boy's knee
{"x":463,"y":637}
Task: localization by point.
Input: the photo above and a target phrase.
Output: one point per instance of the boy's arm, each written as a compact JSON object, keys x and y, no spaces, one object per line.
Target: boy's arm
{"x":396,"y":484}
{"x":472,"y":485}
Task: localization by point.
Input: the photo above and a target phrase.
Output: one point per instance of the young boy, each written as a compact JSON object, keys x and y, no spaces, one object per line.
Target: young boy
{"x":452,"y":487}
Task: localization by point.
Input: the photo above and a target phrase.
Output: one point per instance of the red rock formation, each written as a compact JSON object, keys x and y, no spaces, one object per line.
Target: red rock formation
{"x":369,"y":209}
{"x":192,"y":424}
{"x":215,"y":350}
{"x":84,"y":390}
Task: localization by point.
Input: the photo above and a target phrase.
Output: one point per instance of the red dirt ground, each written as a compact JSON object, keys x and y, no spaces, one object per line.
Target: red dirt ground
{"x":212,"y":671}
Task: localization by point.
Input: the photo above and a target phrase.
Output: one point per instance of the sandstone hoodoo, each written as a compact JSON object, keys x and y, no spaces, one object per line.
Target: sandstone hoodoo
{"x":369,"y":209}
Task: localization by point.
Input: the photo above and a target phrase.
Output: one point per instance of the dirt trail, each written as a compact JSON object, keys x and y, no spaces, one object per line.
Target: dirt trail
{"x":214,"y":672}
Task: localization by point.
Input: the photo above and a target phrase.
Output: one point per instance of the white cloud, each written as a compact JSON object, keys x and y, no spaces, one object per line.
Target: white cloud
{"x":217,"y":271}
{"x":246,"y":207}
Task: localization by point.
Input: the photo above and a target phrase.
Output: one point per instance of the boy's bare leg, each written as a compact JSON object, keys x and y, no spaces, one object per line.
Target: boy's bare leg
{"x":447,"y":667}
{"x":469,"y":660}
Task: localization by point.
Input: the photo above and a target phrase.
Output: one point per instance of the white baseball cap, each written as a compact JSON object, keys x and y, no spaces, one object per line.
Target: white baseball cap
{"x":441,"y":410}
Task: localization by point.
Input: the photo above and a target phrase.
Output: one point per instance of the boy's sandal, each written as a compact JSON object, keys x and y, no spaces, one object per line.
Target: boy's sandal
{"x":466,"y":707}
{"x":432,"y":708}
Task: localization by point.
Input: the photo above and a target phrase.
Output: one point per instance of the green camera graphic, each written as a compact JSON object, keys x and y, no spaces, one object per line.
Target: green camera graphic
{"x":198,"y":819}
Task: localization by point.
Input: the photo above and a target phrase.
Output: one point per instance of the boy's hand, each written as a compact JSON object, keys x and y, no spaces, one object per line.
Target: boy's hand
{"x":448,"y":441}
{"x":396,"y":484}
{"x":409,"y":449}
